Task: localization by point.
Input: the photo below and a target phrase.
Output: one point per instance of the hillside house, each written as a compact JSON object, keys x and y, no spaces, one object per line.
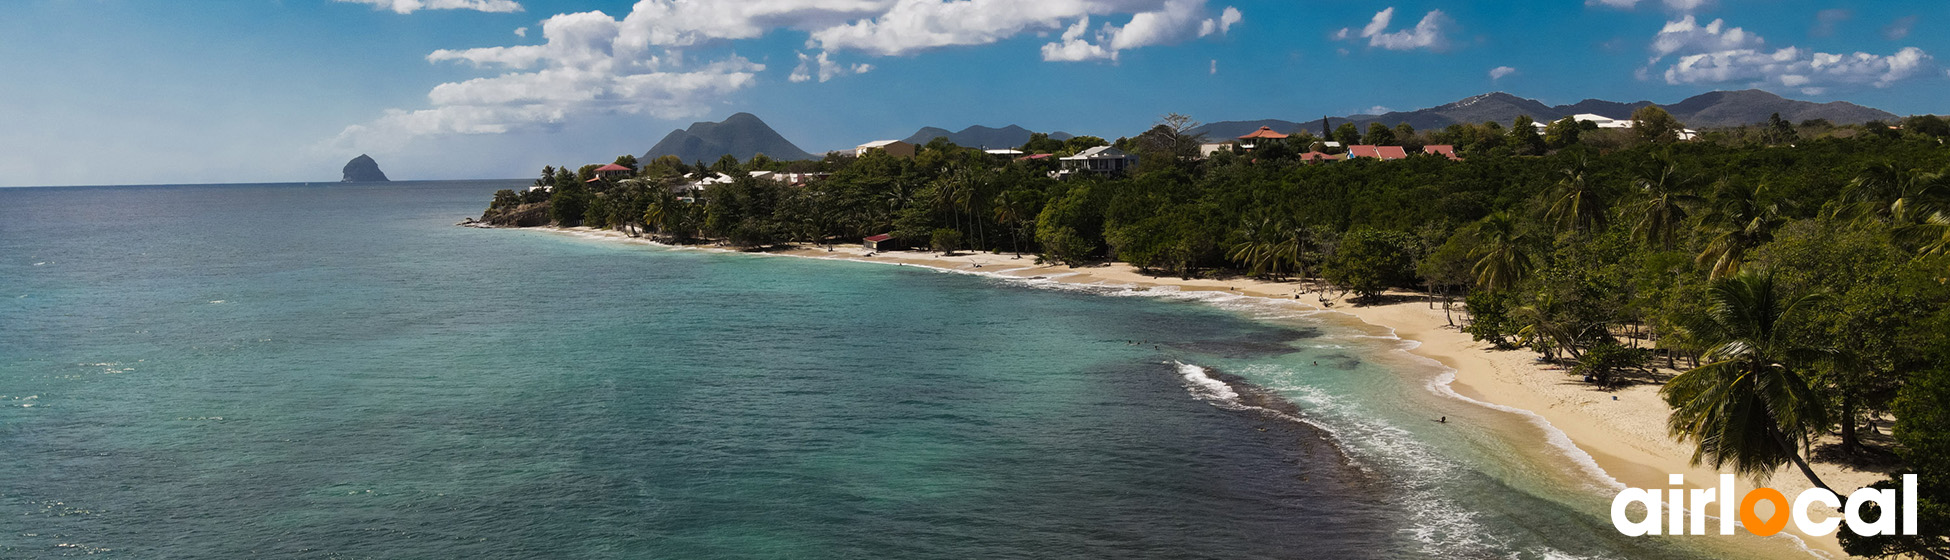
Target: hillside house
{"x":1103,"y":160}
{"x":894,"y":148}
{"x":1377,"y":152}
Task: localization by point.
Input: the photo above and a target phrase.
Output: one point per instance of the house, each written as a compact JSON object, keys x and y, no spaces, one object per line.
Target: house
{"x":1311,"y":157}
{"x":1254,"y":137}
{"x":1604,"y":122}
{"x":1207,"y":149}
{"x":1005,"y":154}
{"x":1444,"y":150}
{"x":613,"y":172}
{"x":1377,"y":152}
{"x":1101,"y":159}
{"x":894,"y":148}
{"x":882,"y":242}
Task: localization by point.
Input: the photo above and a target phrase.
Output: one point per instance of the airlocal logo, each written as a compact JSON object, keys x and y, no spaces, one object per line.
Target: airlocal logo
{"x":1677,"y":505}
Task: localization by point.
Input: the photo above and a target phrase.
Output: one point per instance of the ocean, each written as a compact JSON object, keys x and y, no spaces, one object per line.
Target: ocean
{"x":336,"y":371}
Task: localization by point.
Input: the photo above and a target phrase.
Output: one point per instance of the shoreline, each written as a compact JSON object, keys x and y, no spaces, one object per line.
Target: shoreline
{"x":1621,"y":432}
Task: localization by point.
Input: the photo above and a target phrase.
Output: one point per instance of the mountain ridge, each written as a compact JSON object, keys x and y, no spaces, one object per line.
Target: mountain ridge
{"x":979,"y":136}
{"x":1707,"y":110}
{"x":742,"y":135}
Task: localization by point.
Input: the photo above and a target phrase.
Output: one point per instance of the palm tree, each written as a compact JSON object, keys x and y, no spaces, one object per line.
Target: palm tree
{"x":1932,"y":236}
{"x":1748,"y":406}
{"x":1667,"y":196}
{"x":1744,"y":219}
{"x":1579,"y":205}
{"x":1272,"y":247}
{"x":1502,"y":253}
{"x":1897,"y":194}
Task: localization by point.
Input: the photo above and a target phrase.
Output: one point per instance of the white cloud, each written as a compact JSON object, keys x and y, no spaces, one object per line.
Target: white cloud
{"x":1499,"y":72}
{"x":1899,"y":29}
{"x":410,"y":6}
{"x":1174,"y":21}
{"x":1427,"y":34}
{"x":1716,"y":54}
{"x":584,"y":69}
{"x":1686,"y":35}
{"x":1680,"y":6}
{"x":1215,"y":67}
{"x":521,"y":32}
{"x":824,"y":67}
{"x":1826,"y":20}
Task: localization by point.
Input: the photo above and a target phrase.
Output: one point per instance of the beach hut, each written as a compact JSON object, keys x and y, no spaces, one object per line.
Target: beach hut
{"x":882,"y":242}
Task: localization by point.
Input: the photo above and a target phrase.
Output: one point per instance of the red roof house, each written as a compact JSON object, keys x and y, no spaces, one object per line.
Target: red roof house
{"x":1263,"y":132}
{"x":882,"y":242}
{"x":613,"y":171}
{"x":1311,"y":157}
{"x":1443,"y":150}
{"x":1378,"y":152}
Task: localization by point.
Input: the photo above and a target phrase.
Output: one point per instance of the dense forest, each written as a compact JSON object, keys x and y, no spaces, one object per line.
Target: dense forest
{"x":1796,"y":276}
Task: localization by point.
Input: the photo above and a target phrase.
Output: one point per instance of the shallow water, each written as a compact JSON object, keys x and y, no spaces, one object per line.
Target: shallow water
{"x":336,"y":371}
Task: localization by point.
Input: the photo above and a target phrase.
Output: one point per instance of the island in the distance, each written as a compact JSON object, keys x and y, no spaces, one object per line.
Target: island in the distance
{"x":363,"y":169}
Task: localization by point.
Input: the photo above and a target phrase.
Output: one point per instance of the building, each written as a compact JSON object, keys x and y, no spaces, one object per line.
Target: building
{"x":1255,"y":137}
{"x":882,"y":242}
{"x":1604,"y":122}
{"x":1004,"y":154}
{"x":1311,"y":157}
{"x":1377,"y":152}
{"x":1207,"y":149}
{"x":894,"y":148}
{"x":1103,"y":160}
{"x":1444,"y":150}
{"x":614,"y":172}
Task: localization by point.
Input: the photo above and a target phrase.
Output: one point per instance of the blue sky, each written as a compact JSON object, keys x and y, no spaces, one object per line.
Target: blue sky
{"x":141,"y":92}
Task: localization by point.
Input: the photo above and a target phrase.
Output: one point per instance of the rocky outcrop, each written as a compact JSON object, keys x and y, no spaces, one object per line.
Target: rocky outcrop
{"x":527,"y":215}
{"x":363,"y":169}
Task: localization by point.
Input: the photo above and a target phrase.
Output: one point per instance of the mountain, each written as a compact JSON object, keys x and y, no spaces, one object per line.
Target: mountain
{"x":1707,"y":110}
{"x":981,"y":136}
{"x":742,"y":135}
{"x":363,"y":169}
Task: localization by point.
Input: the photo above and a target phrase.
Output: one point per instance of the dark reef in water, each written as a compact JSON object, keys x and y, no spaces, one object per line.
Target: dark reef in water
{"x":363,"y":169}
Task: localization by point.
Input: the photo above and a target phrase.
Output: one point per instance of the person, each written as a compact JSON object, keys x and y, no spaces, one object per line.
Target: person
{"x":1444,"y":420}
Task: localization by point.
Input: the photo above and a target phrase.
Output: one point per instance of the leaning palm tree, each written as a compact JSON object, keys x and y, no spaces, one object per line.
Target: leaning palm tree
{"x":1502,"y":255}
{"x":1578,"y":204}
{"x":1271,"y":247}
{"x":1668,"y":195}
{"x":1931,"y":236}
{"x":1748,"y":406}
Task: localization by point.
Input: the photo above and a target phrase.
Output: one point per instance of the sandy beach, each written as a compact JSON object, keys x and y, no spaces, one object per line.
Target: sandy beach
{"x":1622,"y":430}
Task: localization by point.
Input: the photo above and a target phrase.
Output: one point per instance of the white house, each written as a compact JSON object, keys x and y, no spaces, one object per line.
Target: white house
{"x":1604,"y":122}
{"x":1101,"y":159}
{"x":894,"y":148}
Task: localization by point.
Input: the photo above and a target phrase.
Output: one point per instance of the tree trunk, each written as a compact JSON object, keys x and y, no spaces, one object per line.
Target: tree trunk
{"x":1795,"y":455}
{"x":1849,"y":442}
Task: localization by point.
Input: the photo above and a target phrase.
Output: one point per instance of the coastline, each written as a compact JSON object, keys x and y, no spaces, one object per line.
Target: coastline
{"x":1622,"y":431}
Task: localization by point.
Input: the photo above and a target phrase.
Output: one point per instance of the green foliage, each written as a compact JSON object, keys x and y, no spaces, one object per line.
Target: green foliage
{"x":945,"y":240}
{"x":1369,"y":261}
{"x":1653,"y":125}
{"x":567,"y":203}
{"x":1562,"y":133}
{"x":1607,"y":359}
{"x":1379,"y":135}
{"x":1489,"y":318}
{"x":1347,"y":134}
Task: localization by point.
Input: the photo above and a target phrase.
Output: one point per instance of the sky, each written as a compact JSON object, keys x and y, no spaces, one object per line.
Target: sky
{"x":96,"y":92}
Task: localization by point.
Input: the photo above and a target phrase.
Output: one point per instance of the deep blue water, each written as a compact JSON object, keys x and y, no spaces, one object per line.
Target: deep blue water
{"x":335,"y":371}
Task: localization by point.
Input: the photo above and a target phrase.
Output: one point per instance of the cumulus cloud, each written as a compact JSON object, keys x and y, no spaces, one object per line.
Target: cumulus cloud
{"x":1427,"y":34}
{"x":1171,"y":22}
{"x":1681,"y":6}
{"x":824,"y":68}
{"x":521,"y":32}
{"x":410,"y":6}
{"x":584,"y":68}
{"x":1717,"y":54}
{"x":1500,"y":72}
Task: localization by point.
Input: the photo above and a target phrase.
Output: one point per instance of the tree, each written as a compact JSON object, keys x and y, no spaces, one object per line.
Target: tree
{"x":1271,"y":247}
{"x":945,"y":240}
{"x":1927,"y":125}
{"x":1579,"y":204}
{"x":1369,"y":261}
{"x":1922,"y":435}
{"x":1523,"y":137}
{"x":1347,"y":135}
{"x":1041,"y":143}
{"x":1749,"y":407}
{"x":1667,"y":193}
{"x":1379,"y":135}
{"x":1562,"y":133}
{"x":1081,"y":143}
{"x":1779,"y":131}
{"x":1502,"y":254}
{"x":629,"y":161}
{"x":568,"y":203}
{"x":1653,"y":125}
{"x":1744,"y":218}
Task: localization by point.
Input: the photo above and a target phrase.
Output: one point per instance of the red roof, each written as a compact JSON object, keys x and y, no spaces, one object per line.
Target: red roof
{"x":880,"y":238}
{"x":1380,"y":152}
{"x":1263,"y":132}
{"x":593,"y":179}
{"x":1319,"y":156}
{"x":1444,"y":150}
{"x":611,"y":167}
{"x":1036,"y":156}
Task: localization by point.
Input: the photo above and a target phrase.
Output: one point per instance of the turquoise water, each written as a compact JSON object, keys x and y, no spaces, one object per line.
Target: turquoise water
{"x":337,"y":371}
